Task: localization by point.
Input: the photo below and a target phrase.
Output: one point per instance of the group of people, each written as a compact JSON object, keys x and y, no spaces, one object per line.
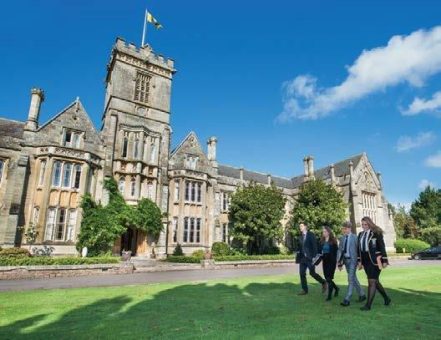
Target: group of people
{"x":366,"y":251}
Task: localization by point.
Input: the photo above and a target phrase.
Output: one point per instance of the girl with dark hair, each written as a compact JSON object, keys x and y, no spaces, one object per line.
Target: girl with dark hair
{"x":373,"y":258}
{"x":329,"y":247}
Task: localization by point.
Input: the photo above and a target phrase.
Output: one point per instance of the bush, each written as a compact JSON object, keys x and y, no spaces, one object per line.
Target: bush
{"x":200,"y":254}
{"x":178,"y":251}
{"x":253,"y":257}
{"x":45,"y":260}
{"x":220,"y":249}
{"x":14,"y":252}
{"x":183,"y":259}
{"x":410,"y":245}
{"x":432,"y":236}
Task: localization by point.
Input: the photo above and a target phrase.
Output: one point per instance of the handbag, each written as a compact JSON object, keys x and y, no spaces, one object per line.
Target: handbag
{"x":316,"y":260}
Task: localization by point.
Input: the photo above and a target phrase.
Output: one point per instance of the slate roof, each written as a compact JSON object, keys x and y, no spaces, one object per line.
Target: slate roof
{"x":340,"y":169}
{"x":11,"y":131}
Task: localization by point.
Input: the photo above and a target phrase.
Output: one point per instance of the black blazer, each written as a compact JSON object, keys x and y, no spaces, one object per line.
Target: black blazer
{"x":307,"y":249}
{"x":376,"y":248}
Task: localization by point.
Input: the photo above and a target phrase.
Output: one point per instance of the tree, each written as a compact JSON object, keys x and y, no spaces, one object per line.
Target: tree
{"x":405,"y":226}
{"x":147,"y":217}
{"x":426,"y":210}
{"x":256,"y":212}
{"x":318,"y":204}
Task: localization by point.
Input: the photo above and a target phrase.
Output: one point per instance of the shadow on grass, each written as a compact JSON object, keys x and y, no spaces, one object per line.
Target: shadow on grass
{"x":264,"y":310}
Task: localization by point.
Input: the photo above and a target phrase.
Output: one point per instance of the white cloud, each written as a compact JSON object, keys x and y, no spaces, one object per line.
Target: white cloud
{"x":406,"y":143}
{"x":420,"y":105}
{"x":426,"y":183}
{"x":434,"y":161}
{"x":412,"y":59}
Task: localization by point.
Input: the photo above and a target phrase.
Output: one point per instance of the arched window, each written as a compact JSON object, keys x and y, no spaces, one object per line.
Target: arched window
{"x":77,"y":176}
{"x":67,"y":175}
{"x":56,"y":177}
{"x":150,"y":190}
{"x":42,"y":172}
{"x":136,"y":149}
{"x":122,"y":185}
{"x":153,"y":153}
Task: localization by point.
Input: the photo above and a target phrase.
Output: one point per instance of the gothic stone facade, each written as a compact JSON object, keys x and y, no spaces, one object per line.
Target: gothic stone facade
{"x":45,"y":170}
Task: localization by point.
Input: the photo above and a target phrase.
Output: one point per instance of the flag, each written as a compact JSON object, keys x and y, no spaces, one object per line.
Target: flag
{"x":153,"y":21}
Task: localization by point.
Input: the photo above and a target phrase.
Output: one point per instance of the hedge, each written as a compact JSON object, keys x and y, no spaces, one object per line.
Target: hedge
{"x":14,"y":252}
{"x":253,"y":257}
{"x":46,"y":260}
{"x":183,"y":259}
{"x":194,"y":259}
{"x":410,"y":245}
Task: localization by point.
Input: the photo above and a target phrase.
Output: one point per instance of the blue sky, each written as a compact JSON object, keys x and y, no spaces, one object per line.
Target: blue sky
{"x":273,"y":80}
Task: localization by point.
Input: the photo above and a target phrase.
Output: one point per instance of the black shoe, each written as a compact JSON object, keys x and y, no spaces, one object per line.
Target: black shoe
{"x":336,"y":291}
{"x":387,"y":301}
{"x":345,"y":303}
{"x":362,"y":298}
{"x":328,"y":298}
{"x":365,"y":308}
{"x":302,"y":293}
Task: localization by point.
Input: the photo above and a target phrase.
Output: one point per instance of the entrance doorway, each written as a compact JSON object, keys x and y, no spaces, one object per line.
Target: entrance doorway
{"x":129,"y":241}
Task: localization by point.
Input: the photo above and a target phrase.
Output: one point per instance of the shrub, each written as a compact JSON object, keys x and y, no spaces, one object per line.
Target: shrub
{"x":410,"y":245}
{"x":183,"y":259}
{"x":178,"y":251}
{"x":14,"y":252}
{"x":200,"y":254}
{"x":220,"y":249}
{"x":45,"y":260}
{"x":431,"y":235}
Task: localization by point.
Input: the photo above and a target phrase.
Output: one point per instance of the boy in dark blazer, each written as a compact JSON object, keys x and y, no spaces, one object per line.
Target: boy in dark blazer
{"x":307,"y":251}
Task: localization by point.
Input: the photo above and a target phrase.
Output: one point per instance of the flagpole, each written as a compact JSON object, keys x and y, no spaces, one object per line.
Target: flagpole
{"x":144,"y":29}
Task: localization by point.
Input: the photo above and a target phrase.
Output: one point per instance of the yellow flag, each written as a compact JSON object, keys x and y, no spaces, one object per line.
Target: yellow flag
{"x":153,"y":21}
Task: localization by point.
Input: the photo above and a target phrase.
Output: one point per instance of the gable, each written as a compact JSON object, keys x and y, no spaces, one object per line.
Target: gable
{"x":189,"y":147}
{"x":365,"y":176}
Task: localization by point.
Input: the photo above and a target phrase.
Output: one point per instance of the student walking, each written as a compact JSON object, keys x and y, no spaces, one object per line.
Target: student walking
{"x":329,"y":247}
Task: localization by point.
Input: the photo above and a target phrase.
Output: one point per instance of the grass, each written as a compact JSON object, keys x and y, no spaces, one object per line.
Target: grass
{"x":261,"y":308}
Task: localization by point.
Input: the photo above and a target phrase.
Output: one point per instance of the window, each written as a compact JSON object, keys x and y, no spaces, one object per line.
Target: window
{"x":191,"y":162}
{"x":72,"y":139}
{"x":192,"y":230}
{"x":125,"y":147}
{"x":142,"y":87}
{"x":136,"y":149}
{"x":67,"y":175}
{"x":2,"y":165}
{"x":56,"y":177}
{"x":50,"y":224}
{"x":193,"y":191}
{"x":61,"y":224}
{"x":71,"y":224}
{"x":369,"y":205}
{"x":77,"y":176}
{"x":198,"y":230}
{"x":122,"y":185}
{"x":225,"y":201}
{"x":42,"y":172}
{"x":185,"y":230}
{"x":133,"y":187}
{"x":153,"y":153}
{"x":175,"y":229}
{"x":176,"y":196}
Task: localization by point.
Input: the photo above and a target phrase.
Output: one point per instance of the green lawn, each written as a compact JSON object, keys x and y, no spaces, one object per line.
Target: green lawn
{"x":262,"y":308}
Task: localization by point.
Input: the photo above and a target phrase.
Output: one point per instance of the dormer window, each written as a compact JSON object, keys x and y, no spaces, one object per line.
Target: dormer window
{"x":72,"y":139}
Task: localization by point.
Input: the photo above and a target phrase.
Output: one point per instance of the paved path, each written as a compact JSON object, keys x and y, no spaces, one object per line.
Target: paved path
{"x":170,"y":276}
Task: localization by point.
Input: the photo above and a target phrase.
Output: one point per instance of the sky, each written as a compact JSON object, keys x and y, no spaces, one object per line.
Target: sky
{"x":274,"y":81}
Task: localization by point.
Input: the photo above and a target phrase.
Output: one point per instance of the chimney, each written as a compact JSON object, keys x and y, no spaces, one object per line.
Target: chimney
{"x":311,"y":166}
{"x":332,"y":174}
{"x":351,"y":169}
{"x":269,"y":179}
{"x":379,"y":177}
{"x":212,"y":148}
{"x":305,"y":166}
{"x":37,"y":97}
{"x":241,"y":174}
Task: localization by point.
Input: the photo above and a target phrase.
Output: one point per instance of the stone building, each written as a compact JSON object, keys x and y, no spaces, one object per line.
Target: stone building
{"x":45,"y":169}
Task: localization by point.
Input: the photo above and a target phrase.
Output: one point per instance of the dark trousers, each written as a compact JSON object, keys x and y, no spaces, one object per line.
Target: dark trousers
{"x":307,"y":264}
